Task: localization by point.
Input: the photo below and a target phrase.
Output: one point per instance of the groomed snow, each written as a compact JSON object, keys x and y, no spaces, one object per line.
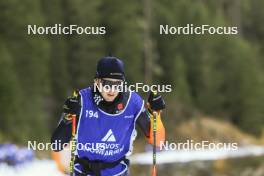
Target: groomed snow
{"x":48,"y":167}
{"x":181,"y":156}
{"x":34,"y":168}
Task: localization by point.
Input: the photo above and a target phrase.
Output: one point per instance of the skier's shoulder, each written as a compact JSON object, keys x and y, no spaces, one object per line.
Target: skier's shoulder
{"x":134,"y":94}
{"x":136,"y":99}
{"x":89,"y":88}
{"x":86,"y":90}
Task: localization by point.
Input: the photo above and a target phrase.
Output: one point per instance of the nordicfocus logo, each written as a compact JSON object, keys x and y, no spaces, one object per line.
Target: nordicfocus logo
{"x":107,"y":147}
{"x":109,"y":137}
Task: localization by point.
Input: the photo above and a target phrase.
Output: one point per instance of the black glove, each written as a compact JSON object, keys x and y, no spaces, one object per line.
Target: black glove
{"x":156,"y":102}
{"x":72,"y":105}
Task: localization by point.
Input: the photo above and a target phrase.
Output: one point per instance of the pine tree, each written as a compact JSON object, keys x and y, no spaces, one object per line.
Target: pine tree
{"x":9,"y":95}
{"x":123,"y":21}
{"x":30,"y":57}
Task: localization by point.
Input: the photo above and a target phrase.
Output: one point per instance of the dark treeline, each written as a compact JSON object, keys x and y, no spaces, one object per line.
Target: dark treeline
{"x":219,"y":75}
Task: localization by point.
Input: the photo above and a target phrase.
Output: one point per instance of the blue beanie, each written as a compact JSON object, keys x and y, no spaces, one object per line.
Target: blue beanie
{"x":110,"y":67}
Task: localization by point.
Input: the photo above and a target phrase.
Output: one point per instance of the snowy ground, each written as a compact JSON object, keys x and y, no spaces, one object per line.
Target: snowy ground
{"x":34,"y":168}
{"x":181,"y":156}
{"x":48,"y":167}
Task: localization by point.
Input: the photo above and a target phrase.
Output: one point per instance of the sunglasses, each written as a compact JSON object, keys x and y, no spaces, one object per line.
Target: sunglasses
{"x":111,"y":83}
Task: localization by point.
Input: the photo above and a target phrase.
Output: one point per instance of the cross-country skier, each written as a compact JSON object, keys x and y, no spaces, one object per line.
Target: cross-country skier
{"x":106,"y":122}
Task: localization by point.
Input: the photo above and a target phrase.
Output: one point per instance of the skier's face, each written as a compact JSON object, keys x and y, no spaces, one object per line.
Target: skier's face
{"x":108,"y":88}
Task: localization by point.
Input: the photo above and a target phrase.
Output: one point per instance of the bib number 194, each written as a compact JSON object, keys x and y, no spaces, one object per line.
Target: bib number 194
{"x":90,"y":114}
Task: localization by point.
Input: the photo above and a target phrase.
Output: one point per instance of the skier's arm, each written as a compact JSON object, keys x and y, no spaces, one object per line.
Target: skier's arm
{"x":143,"y":122}
{"x":156,"y":104}
{"x":62,"y":133}
{"x":160,"y":131}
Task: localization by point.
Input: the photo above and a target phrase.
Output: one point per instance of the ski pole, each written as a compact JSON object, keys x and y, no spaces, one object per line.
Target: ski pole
{"x":154,"y":169}
{"x":155,"y":113}
{"x":73,"y":141}
{"x":73,"y":144}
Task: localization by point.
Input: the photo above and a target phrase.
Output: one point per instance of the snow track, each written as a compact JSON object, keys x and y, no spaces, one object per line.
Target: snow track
{"x":181,"y":156}
{"x":48,"y":167}
{"x":34,"y":168}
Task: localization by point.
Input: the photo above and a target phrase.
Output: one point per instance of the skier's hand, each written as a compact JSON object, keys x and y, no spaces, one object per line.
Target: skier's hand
{"x":72,"y":106}
{"x":156,"y":102}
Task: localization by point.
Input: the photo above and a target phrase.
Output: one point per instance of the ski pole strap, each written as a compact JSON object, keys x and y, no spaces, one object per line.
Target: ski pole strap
{"x":95,"y":166}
